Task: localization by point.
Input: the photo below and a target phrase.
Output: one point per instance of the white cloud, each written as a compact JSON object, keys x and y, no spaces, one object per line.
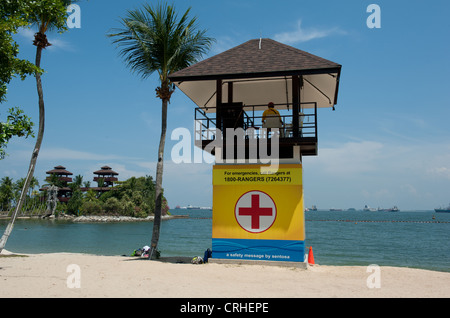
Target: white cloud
{"x":188,"y":183}
{"x":60,"y":44}
{"x":223,"y":43}
{"x":301,"y":34}
{"x":349,"y":158}
{"x":439,"y":164}
{"x":56,"y":42}
{"x":184,"y":183}
{"x":59,"y":154}
{"x":413,"y":176}
{"x":440,"y":171}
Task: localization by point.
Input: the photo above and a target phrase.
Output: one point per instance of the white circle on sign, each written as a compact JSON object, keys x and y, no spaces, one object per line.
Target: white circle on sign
{"x":255,"y":211}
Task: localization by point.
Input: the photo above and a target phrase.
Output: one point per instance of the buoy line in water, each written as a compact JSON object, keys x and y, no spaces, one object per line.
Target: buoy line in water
{"x":379,"y":221}
{"x":365,"y":221}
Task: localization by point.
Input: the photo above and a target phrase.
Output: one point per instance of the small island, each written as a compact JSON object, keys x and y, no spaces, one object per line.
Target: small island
{"x":64,"y":197}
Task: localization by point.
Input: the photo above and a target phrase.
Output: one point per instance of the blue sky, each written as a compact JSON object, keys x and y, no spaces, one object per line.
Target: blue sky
{"x":387,"y":143}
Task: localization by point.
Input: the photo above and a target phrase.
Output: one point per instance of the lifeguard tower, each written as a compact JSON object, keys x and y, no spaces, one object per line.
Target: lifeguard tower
{"x":257,"y":177}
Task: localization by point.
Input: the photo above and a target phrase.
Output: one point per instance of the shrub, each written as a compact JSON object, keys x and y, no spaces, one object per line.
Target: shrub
{"x":127,"y":208}
{"x":91,"y":207}
{"x":112,"y":205}
{"x":75,"y":202}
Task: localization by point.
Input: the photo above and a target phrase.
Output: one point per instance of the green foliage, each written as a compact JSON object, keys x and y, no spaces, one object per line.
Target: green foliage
{"x":10,"y":192}
{"x":14,"y":14}
{"x":91,"y":207}
{"x":154,"y":39}
{"x":75,"y":202}
{"x":112,"y":206}
{"x":6,"y":193}
{"x":49,"y":15}
{"x":127,"y":207}
{"x":17,"y":124}
{"x":134,"y":197}
{"x":100,"y":182}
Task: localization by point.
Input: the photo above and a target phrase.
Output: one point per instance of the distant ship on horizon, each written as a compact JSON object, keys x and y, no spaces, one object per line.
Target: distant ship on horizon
{"x":447,"y":209}
{"x":394,"y":209}
{"x":369,"y":209}
{"x":191,"y":207}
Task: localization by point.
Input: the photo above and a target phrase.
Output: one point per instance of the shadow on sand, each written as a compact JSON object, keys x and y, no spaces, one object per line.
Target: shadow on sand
{"x":172,"y":259}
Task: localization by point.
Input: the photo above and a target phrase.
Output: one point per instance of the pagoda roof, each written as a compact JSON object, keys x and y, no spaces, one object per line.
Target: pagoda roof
{"x":106,"y":170}
{"x":256,"y":58}
{"x":59,"y":170}
{"x":261,"y":71}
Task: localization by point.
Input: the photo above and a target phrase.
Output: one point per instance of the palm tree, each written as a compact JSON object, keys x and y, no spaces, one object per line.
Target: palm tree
{"x":154,"y":40}
{"x":77,"y":182}
{"x":46,"y":15}
{"x":33,"y":184}
{"x":6,"y":193}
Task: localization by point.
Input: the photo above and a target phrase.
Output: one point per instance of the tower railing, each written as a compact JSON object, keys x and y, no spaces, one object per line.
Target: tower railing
{"x":251,"y":116}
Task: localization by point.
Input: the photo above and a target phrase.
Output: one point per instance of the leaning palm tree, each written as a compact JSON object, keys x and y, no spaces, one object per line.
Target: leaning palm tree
{"x":154,"y":40}
{"x":46,"y":15}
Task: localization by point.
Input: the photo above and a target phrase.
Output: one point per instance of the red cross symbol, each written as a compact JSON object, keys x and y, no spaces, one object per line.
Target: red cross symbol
{"x":255,"y":211}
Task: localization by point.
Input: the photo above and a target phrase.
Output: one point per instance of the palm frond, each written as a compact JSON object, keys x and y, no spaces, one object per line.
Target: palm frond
{"x":47,"y":15}
{"x":155,"y":40}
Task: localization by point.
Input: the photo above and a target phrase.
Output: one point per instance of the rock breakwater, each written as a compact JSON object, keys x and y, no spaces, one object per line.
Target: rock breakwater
{"x":112,"y":218}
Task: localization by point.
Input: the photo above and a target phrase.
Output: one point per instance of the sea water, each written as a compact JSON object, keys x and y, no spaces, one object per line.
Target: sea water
{"x":417,"y":239}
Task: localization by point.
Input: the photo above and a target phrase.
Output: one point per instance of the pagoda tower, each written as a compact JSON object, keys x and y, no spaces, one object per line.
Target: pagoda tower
{"x":61,"y":177}
{"x":108,"y":176}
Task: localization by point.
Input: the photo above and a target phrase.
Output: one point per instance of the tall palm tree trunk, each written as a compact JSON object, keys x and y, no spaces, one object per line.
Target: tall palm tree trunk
{"x":34,"y":155}
{"x":159,"y":178}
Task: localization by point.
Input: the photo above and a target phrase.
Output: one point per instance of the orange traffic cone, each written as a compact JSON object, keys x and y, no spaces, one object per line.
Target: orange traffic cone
{"x":310,"y":256}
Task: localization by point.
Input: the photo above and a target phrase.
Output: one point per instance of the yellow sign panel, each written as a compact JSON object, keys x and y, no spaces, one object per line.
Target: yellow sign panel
{"x":251,"y":202}
{"x":257,"y":175}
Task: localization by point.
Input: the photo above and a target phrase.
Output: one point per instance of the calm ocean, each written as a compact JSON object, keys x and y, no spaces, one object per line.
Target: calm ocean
{"x":405,"y":238}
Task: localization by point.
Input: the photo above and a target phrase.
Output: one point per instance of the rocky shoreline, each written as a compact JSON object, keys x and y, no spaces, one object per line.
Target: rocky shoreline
{"x":101,"y":218}
{"x":107,"y":218}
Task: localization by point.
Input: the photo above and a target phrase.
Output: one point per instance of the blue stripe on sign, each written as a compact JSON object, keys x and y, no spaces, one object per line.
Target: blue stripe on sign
{"x":268,"y":250}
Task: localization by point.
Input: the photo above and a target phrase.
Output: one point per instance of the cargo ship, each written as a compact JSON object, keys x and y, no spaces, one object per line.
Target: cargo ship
{"x":447,"y":209}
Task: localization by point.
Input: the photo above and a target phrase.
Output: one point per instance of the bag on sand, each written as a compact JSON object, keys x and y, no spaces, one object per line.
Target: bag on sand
{"x":137,"y":252}
{"x":197,"y":260}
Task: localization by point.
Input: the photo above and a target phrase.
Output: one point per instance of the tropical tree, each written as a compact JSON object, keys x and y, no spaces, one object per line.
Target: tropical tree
{"x":13,"y":15}
{"x":77,"y":182}
{"x":100,"y":182}
{"x":45,"y":15}
{"x":6,"y":193}
{"x":20,"y":183}
{"x":16,"y":124}
{"x":33,"y":184}
{"x":153,"y":39}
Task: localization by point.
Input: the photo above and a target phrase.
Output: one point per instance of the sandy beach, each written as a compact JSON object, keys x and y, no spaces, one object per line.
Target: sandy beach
{"x":80,"y":275}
